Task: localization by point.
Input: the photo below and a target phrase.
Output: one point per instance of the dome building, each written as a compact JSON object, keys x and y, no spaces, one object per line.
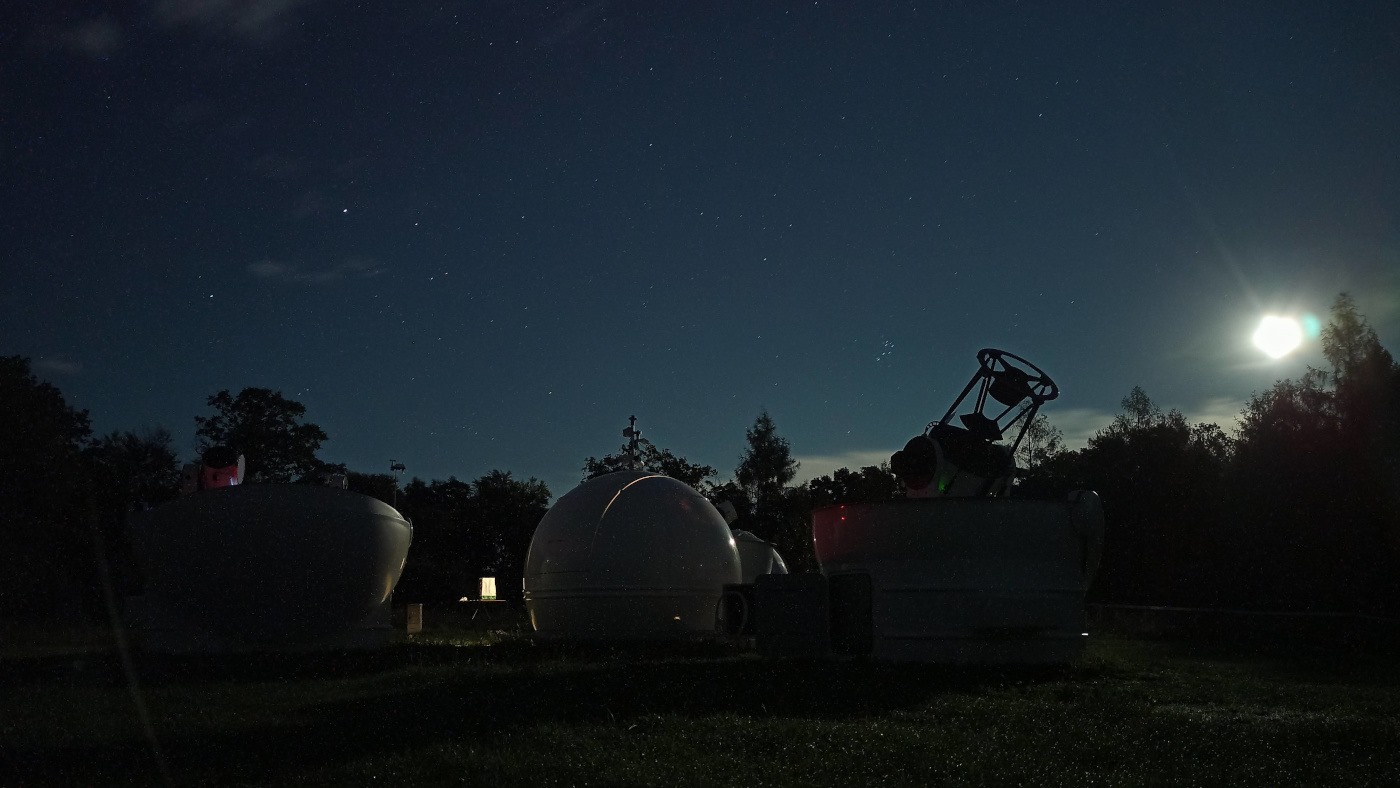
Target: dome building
{"x":249,"y":567}
{"x":629,"y":555}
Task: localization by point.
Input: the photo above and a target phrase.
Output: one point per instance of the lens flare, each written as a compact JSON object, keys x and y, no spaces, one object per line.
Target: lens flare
{"x":1278,"y":336}
{"x":1312,"y":326}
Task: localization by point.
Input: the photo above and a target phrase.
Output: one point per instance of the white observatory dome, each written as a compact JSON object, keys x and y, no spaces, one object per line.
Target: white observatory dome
{"x":627,"y":556}
{"x":758,"y":557}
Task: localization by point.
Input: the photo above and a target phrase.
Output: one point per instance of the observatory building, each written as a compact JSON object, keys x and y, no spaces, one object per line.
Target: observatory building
{"x":629,"y":555}
{"x":266,"y":566}
{"x":757,"y":557}
{"x":960,"y":580}
{"x":959,"y":572}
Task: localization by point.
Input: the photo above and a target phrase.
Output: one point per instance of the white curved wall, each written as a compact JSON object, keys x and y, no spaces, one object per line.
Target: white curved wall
{"x":629,"y":555}
{"x":758,"y":557}
{"x":270,"y":563}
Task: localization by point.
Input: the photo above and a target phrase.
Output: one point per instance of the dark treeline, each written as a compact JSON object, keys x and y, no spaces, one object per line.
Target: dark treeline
{"x":66,"y":498}
{"x":463,"y":531}
{"x":1298,"y":508}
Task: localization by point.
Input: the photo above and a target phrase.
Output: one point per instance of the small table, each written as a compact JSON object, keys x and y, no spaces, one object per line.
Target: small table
{"x":486,"y":608}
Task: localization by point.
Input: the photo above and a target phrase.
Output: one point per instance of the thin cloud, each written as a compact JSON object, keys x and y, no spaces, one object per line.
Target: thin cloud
{"x":95,"y":38}
{"x":1078,"y":425}
{"x":267,"y":269}
{"x":290,"y":272}
{"x":58,"y":366}
{"x":251,"y":19}
{"x":1216,"y":410}
{"x":813,"y":465}
{"x":98,"y":37}
{"x":105,"y":35}
{"x":571,"y":24}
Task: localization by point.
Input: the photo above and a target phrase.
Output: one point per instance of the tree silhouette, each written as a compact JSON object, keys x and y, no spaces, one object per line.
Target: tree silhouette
{"x":766,"y":466}
{"x":1161,"y":483}
{"x":40,"y":429}
{"x":1040,"y":443}
{"x":446,"y":553}
{"x":1287,"y":471}
{"x":1366,"y":383}
{"x":129,"y":471}
{"x":466,"y":530}
{"x":870,"y":484}
{"x":383,"y":486}
{"x":267,"y":429}
{"x":653,"y":460}
{"x":769,"y":509}
{"x":506,"y":511}
{"x":1298,"y":510}
{"x":1351,"y":345}
{"x":1139,"y":411}
{"x":1314,"y":480}
{"x":135,"y":469}
{"x":46,"y":555}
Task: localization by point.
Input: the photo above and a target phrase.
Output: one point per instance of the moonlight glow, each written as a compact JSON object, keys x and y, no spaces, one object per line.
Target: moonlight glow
{"x":1278,"y":336}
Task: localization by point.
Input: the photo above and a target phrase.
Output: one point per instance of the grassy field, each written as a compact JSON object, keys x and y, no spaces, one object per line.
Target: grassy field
{"x":489,"y":708}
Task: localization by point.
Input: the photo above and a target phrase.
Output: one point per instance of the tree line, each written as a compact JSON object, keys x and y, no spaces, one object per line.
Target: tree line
{"x":66,"y":497}
{"x":1297,"y":508}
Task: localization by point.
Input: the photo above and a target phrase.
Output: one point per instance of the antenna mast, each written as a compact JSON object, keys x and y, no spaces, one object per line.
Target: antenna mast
{"x":397,"y":469}
{"x":634,"y":436}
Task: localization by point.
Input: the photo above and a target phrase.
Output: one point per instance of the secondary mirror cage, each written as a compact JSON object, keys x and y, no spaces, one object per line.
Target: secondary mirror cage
{"x":1008,"y":384}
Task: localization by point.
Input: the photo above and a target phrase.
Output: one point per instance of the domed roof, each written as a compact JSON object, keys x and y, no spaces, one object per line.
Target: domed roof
{"x":622,"y":538}
{"x":272,"y":561}
{"x":758,"y":557}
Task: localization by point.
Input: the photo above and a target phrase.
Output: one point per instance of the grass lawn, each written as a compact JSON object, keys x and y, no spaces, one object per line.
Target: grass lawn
{"x":492,"y":709}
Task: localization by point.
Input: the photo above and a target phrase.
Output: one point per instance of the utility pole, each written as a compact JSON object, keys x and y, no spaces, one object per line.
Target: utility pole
{"x":396,"y":468}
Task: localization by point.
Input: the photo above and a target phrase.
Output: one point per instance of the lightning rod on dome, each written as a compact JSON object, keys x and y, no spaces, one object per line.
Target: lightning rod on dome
{"x":397,"y":469}
{"x":633,"y":436}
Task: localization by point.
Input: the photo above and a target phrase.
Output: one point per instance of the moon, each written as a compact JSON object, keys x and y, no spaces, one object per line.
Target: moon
{"x":1278,"y":336}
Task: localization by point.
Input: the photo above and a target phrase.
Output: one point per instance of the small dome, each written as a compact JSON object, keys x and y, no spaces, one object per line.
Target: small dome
{"x":758,"y":557}
{"x":629,"y":555}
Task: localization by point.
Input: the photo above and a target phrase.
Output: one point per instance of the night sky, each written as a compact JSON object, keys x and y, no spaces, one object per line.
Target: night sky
{"x":480,"y":235}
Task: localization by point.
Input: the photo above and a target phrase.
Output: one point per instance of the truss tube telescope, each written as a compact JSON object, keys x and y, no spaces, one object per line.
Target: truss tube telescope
{"x":958,"y":571}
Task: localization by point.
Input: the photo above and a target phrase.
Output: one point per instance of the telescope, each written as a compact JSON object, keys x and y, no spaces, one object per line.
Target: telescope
{"x":966,"y":459}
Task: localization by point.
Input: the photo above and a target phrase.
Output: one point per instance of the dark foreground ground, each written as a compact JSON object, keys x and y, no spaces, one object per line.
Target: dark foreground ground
{"x":465,"y":704}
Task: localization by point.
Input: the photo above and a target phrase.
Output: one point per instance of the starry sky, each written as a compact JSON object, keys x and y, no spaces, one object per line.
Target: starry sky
{"x":478,"y":235}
